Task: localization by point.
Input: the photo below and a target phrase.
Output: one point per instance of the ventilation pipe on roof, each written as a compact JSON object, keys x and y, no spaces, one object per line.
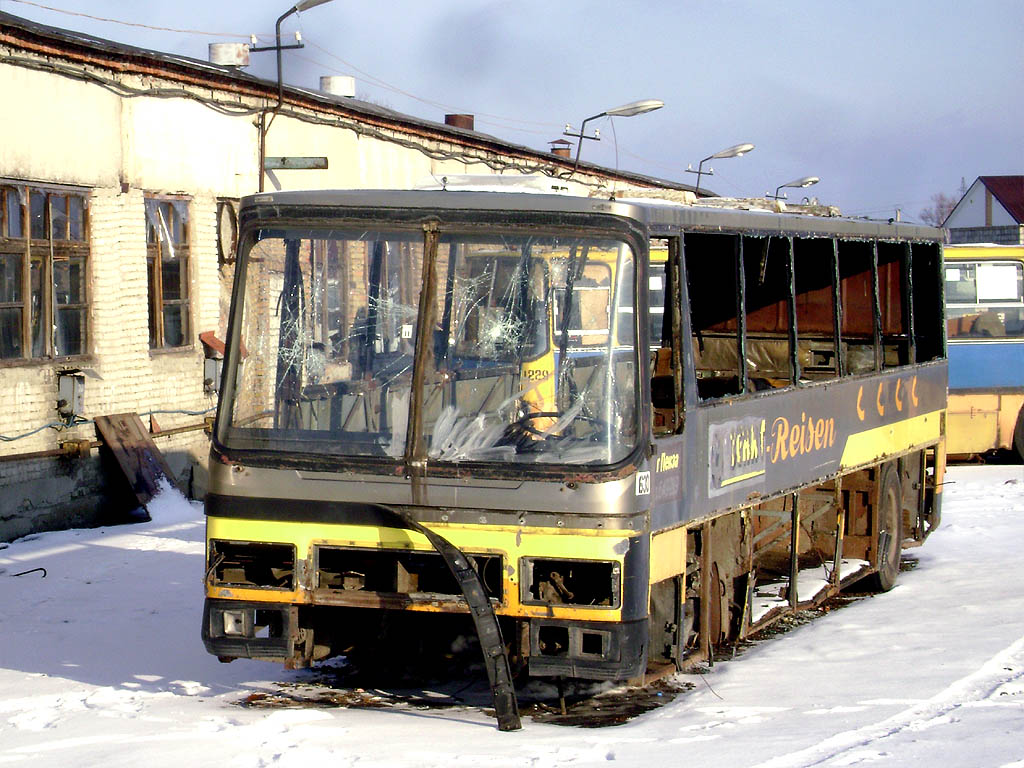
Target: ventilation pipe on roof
{"x":229,"y":54}
{"x":459,"y":121}
{"x":338,"y":85}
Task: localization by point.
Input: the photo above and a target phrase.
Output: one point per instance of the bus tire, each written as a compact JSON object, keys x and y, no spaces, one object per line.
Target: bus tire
{"x":1018,"y":435}
{"x":890,"y":530}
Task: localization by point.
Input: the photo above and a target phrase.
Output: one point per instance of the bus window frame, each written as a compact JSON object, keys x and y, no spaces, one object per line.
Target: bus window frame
{"x":258,"y":222}
{"x":978,"y":306}
{"x":869,"y":256}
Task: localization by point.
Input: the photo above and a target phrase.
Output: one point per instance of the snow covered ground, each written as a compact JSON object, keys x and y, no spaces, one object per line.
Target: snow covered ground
{"x":101,"y":664}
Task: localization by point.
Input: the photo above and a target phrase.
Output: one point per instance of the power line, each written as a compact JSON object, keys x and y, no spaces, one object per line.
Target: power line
{"x":502,"y":120}
{"x":130,"y":23}
{"x":510,"y":123}
{"x":498,"y":120}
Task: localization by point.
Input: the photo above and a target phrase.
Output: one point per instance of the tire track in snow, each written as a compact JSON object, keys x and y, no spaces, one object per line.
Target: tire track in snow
{"x":1005,"y":667}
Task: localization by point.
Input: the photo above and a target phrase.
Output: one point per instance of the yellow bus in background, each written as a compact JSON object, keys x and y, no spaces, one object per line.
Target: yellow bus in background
{"x":984,"y":290}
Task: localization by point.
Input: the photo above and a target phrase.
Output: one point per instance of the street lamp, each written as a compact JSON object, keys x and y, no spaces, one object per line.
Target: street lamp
{"x":626,"y":110}
{"x":737,"y":151}
{"x":806,"y":181}
{"x":302,"y":5}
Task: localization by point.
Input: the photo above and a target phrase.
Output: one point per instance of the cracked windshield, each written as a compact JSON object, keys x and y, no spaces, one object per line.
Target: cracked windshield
{"x":529,"y":358}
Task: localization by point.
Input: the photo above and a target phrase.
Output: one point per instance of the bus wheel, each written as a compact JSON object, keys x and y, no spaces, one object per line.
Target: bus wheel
{"x":890,"y":530}
{"x":1018,"y":435}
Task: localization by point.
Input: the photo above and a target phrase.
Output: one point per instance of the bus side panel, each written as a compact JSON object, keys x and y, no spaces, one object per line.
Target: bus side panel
{"x":979,"y":422}
{"x":763,"y":445}
{"x":986,"y":365}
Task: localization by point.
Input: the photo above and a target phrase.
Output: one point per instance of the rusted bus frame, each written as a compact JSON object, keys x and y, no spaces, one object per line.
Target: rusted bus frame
{"x":793,"y":522}
{"x":789,"y":482}
{"x":741,"y":313}
{"x":837,"y":312}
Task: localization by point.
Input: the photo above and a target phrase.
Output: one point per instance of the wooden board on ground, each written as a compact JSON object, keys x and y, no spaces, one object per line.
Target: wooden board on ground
{"x":140,"y":460}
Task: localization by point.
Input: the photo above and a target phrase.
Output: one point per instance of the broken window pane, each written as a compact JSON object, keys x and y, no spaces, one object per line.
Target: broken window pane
{"x":895,"y":333}
{"x":321,"y":370}
{"x":330,"y":324}
{"x":711,"y":271}
{"x":815,"y":308}
{"x":523,"y":380}
{"x":167,"y":262}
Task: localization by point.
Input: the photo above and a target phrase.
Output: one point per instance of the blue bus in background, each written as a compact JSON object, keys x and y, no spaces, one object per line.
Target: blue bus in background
{"x":985,"y":328}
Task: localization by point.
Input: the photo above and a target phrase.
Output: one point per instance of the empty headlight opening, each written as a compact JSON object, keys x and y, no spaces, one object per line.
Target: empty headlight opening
{"x":400,"y":572}
{"x":571,"y":582}
{"x":252,"y":564}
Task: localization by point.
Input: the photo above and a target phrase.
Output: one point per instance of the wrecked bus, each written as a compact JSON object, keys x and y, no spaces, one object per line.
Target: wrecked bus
{"x":616,"y":435}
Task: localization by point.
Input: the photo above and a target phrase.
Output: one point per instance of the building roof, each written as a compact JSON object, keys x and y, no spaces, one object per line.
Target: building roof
{"x":1009,"y":191}
{"x":107,"y":54}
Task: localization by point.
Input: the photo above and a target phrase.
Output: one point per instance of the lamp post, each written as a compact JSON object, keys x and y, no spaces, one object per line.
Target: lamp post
{"x":736,"y":151}
{"x":302,"y":5}
{"x":626,"y":110}
{"x":806,"y":181}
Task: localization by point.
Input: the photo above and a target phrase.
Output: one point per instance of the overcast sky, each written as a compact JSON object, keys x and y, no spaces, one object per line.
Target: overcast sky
{"x":888,"y":102}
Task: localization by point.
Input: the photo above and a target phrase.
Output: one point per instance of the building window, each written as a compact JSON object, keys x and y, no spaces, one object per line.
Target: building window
{"x":167,"y":244}
{"x":44,"y":253}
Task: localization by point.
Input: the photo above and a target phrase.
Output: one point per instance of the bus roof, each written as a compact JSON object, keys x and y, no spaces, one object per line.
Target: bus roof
{"x":660,"y":217}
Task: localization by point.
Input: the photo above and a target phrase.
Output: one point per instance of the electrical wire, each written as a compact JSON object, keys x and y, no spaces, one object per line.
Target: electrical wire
{"x":57,"y":425}
{"x":130,"y":23}
{"x":499,"y":119}
{"x":540,"y":128}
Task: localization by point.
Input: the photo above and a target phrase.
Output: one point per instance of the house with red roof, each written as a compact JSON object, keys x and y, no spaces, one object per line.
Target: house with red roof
{"x":991,"y":211}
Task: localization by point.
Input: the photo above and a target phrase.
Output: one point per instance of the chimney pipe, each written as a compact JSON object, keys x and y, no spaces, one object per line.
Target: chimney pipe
{"x":459,"y":121}
{"x":229,"y":54}
{"x":338,"y":85}
{"x":561,"y":147}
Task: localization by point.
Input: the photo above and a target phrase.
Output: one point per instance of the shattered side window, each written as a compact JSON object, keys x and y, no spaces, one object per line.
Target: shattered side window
{"x":328,"y":330}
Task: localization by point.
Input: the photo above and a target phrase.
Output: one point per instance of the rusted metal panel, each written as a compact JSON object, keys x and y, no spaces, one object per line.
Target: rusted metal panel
{"x":138,"y":457}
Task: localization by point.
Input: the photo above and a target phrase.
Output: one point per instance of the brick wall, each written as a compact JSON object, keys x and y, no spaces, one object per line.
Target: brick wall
{"x":42,"y":493}
{"x":1013,"y":235}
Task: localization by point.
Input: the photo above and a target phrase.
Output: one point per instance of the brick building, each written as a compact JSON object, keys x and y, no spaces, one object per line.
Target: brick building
{"x":120,"y":172}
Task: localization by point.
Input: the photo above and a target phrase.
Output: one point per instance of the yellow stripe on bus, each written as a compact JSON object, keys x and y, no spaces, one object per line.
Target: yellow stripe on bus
{"x":741,"y":478}
{"x":513,"y":542}
{"x":872,"y":444}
